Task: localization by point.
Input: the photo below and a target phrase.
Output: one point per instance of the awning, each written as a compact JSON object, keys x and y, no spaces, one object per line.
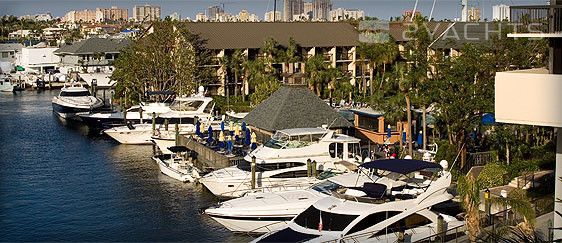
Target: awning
{"x":178,"y":149}
{"x":402,"y":166}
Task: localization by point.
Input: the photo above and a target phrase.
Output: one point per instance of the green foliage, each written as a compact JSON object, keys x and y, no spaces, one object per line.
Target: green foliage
{"x":263,"y":91}
{"x":446,"y":152}
{"x":491,"y":176}
{"x":171,"y":58}
{"x":518,"y":167}
{"x":237,"y":104}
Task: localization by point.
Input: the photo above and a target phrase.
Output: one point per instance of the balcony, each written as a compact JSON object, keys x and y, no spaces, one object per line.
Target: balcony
{"x":529,"y":97}
{"x":541,"y":21}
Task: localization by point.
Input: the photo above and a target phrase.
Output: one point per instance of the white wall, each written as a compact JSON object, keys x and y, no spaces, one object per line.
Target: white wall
{"x":530,"y":97}
{"x":33,"y":58}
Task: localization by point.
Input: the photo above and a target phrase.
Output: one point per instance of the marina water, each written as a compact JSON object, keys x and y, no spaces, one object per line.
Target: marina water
{"x":61,"y":181}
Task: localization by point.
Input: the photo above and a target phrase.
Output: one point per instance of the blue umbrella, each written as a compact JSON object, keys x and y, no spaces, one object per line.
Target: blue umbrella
{"x":222,"y":126}
{"x":254,"y":145}
{"x":229,"y":144}
{"x":474,"y":133}
{"x":248,"y":138}
{"x":420,"y":138}
{"x":197,"y":128}
{"x":404,"y":136}
{"x":389,"y":132}
{"x":210,"y":140}
{"x":243,"y":126}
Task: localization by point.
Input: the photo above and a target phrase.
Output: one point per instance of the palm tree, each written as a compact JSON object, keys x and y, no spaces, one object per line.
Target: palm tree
{"x":469,"y":192}
{"x":315,"y":73}
{"x":238,"y":57}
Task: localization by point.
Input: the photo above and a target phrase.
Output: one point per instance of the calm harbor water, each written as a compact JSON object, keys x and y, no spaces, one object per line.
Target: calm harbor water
{"x":59,"y":181}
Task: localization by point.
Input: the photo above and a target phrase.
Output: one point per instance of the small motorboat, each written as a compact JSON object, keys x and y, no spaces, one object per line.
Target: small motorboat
{"x":176,"y":165}
{"x":6,"y":84}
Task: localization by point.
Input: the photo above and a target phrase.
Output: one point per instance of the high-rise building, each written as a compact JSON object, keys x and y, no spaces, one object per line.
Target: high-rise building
{"x":343,"y":14}
{"x":473,"y":14}
{"x":254,"y":18}
{"x":308,"y":8}
{"x":292,"y":8}
{"x":147,"y":13}
{"x":321,"y":9}
{"x":113,"y":13}
{"x":201,"y":17}
{"x":175,"y":16}
{"x":243,"y":16}
{"x":269,"y":17}
{"x":81,"y":16}
{"x":501,"y":12}
{"x":213,"y":11}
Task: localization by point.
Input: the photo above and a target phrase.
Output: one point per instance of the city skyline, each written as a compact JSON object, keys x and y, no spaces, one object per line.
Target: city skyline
{"x":383,"y":9}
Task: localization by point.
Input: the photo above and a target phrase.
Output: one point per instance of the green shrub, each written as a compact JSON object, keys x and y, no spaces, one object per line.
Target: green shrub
{"x":446,"y":152}
{"x":491,"y":176}
{"x":517,"y":167}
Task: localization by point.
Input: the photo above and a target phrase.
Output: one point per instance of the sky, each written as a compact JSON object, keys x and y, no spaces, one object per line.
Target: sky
{"x":382,"y":9}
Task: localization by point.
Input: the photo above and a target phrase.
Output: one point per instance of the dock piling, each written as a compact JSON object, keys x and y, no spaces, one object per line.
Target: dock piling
{"x":177,"y":134}
{"x":253,"y":165}
{"x":154,"y":124}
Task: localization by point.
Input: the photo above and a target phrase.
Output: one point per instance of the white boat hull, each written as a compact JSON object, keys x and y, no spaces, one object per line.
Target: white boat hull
{"x":234,"y":189}
{"x":261,"y":226}
{"x":185,"y":176}
{"x":137,"y":136}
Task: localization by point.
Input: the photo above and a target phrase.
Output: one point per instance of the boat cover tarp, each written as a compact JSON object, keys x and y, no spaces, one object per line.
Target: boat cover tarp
{"x":402,"y":166}
{"x":178,"y":149}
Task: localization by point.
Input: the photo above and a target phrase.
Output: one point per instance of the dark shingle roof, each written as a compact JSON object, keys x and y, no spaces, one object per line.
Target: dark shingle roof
{"x":239,"y":35}
{"x":294,"y":107}
{"x":88,"y":46}
{"x":11,"y":47}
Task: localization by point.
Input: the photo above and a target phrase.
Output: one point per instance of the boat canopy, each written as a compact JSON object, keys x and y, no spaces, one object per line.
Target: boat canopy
{"x":402,"y":166}
{"x":178,"y":149}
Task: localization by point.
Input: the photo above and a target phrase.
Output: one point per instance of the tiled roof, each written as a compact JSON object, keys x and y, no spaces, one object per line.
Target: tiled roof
{"x":88,"y":46}
{"x":239,"y":35}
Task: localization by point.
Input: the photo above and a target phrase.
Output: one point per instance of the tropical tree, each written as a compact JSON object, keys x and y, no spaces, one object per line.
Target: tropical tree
{"x":469,"y":192}
{"x":168,"y":58}
{"x":315,"y":72}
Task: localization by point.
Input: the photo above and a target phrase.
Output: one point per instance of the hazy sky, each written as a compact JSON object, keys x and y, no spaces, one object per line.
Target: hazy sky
{"x":384,"y":9}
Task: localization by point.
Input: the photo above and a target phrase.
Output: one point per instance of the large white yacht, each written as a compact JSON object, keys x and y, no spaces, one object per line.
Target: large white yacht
{"x":117,"y":118}
{"x":73,"y":100}
{"x":376,"y":212}
{"x":282,"y":161}
{"x":182,"y":111}
{"x":263,"y":212}
{"x":140,"y":134}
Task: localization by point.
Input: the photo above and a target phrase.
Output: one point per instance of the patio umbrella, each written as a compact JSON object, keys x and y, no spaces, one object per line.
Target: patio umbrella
{"x":221,"y":140}
{"x":420,"y":138}
{"x":231,"y":128}
{"x":404,"y":135}
{"x":254,"y":145}
{"x":243,"y":126}
{"x":229,"y":142}
{"x":389,"y":132}
{"x":237,"y":132}
{"x":197,"y":126}
{"x":222,"y":126}
{"x":201,"y":129}
{"x":210,"y":140}
{"x":247,"y":138}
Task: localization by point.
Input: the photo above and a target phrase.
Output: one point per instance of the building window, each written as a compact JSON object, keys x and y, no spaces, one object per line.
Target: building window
{"x":369,"y":123}
{"x":4,"y":55}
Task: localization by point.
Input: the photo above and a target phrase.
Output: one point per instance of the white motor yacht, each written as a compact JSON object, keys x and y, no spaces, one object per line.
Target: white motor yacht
{"x":177,"y":166}
{"x":376,"y":212}
{"x":117,"y":118}
{"x":73,"y":100}
{"x":6,"y":84}
{"x":141,"y":133}
{"x":267,"y":211}
{"x":283,"y":161}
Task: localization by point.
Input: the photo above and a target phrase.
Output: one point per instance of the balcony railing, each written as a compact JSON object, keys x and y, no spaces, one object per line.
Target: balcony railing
{"x":537,"y":19}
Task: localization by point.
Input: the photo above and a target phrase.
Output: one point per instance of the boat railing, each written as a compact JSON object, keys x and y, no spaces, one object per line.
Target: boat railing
{"x":256,"y":231}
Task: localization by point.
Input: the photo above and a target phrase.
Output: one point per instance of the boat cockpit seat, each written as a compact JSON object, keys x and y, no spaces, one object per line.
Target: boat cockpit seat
{"x":374,"y":190}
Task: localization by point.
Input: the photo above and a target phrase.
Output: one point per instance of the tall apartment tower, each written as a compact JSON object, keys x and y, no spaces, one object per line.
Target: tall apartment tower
{"x":321,"y":9}
{"x":147,"y":13}
{"x":308,"y":9}
{"x":292,"y":8}
{"x":213,"y":12}
{"x":501,"y":12}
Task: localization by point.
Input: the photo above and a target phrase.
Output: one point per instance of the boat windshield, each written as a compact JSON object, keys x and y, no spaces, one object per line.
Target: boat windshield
{"x":74,"y":94}
{"x":285,"y":141}
{"x":326,"y":187}
{"x":245,"y":165}
{"x":186,"y":105}
{"x":310,"y":219}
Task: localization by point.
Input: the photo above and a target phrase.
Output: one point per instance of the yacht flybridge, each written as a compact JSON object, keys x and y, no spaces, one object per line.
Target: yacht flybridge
{"x":73,"y":100}
{"x":267,"y":211}
{"x":376,"y":212}
{"x":282,"y":161}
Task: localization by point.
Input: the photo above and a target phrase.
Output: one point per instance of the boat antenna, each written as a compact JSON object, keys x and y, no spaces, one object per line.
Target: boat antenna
{"x":431,"y":13}
{"x":458,"y":154}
